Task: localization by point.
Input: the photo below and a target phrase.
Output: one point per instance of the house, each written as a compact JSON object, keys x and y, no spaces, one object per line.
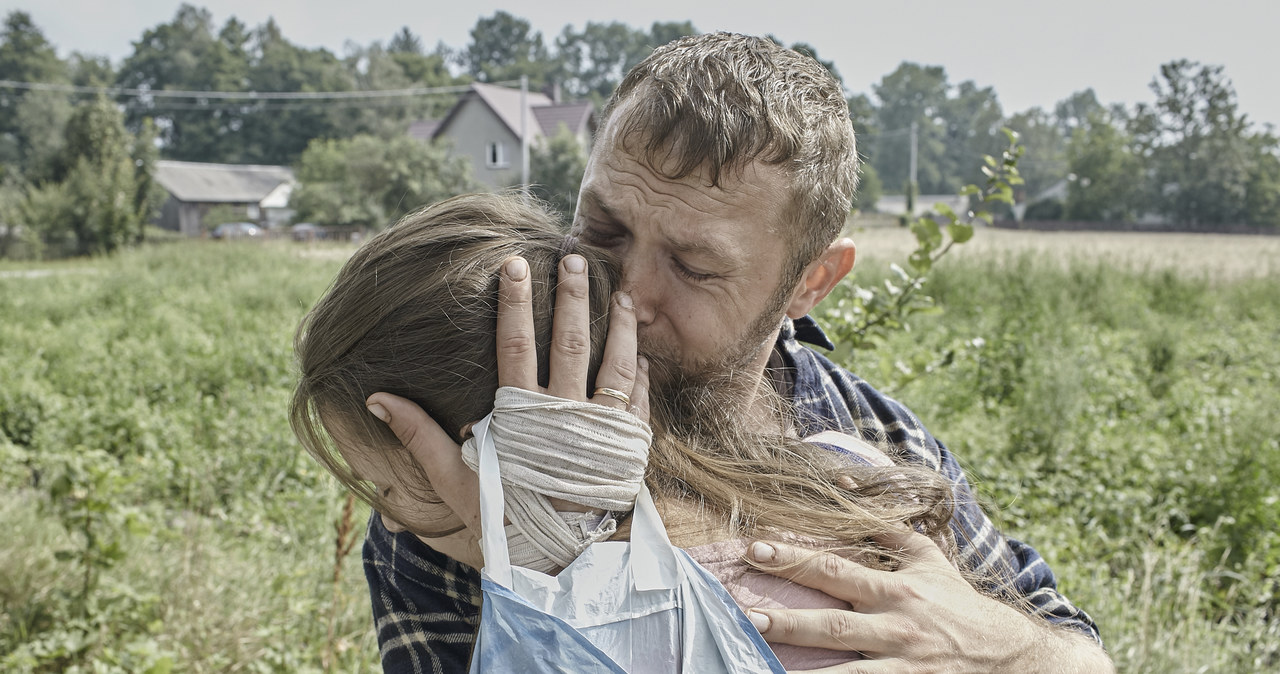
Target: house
{"x":258,"y":194}
{"x":485,"y":127}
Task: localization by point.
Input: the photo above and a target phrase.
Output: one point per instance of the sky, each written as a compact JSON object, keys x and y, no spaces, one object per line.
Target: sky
{"x":1032,"y":53}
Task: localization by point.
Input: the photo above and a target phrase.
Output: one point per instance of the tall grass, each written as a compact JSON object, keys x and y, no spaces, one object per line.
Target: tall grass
{"x":1124,"y":422}
{"x":161,"y":516}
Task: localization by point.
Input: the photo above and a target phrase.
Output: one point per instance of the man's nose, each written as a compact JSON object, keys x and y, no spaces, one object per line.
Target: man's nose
{"x":642,"y":287}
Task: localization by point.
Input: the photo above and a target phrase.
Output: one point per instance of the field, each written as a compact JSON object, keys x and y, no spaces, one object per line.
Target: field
{"x":1115,"y":397}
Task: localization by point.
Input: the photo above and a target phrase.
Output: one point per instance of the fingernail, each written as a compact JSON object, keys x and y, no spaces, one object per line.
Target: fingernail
{"x":575,"y":264}
{"x":642,"y":362}
{"x":762,"y":552}
{"x":624,"y":300}
{"x":517,"y":269}
{"x":379,"y":411}
{"x":760,"y":620}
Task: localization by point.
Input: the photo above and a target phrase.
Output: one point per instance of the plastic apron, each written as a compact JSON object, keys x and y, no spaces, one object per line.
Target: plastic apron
{"x":635,"y":607}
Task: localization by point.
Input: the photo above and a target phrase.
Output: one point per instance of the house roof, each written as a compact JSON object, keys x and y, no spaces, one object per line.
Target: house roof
{"x":545,"y":116}
{"x":572,"y":115}
{"x":424,"y":129}
{"x":195,"y":182}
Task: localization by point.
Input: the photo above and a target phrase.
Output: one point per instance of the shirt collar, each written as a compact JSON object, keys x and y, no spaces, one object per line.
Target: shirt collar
{"x":804,"y":329}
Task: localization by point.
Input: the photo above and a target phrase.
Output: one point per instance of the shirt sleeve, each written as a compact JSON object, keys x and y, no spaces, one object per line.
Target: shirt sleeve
{"x":426,"y":605}
{"x":828,"y":397}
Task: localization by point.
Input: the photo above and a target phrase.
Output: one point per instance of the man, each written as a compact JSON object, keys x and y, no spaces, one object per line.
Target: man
{"x":722,"y":177}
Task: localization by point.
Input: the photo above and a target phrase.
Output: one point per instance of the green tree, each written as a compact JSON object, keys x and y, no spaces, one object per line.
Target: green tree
{"x":1262,"y":192}
{"x":591,"y":62}
{"x":25,"y":56}
{"x":596,"y":59}
{"x":1074,"y":111}
{"x":662,"y":32}
{"x":30,"y":121}
{"x":91,"y":71}
{"x":37,"y":143}
{"x":108,"y":188}
{"x":556,"y":166}
{"x":1105,"y":176}
{"x":911,"y":93}
{"x":419,"y":67}
{"x":368,"y":181}
{"x":973,"y":119}
{"x":186,"y":54}
{"x":505,"y":47}
{"x":278,"y":132}
{"x":1197,"y":144}
{"x":1044,"y":162}
{"x":869,"y":188}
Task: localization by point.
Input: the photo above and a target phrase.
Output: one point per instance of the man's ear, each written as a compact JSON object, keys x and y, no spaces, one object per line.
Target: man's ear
{"x":821,"y":276}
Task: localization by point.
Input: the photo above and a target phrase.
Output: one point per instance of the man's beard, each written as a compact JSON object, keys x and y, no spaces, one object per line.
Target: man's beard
{"x":692,"y":398}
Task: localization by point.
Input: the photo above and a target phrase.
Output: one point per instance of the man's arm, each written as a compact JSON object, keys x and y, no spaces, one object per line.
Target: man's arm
{"x":923,"y":616}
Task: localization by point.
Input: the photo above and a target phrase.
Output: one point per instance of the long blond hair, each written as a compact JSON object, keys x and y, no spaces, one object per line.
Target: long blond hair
{"x":413,"y":313}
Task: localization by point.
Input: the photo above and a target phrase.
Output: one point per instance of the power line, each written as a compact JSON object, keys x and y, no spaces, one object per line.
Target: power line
{"x":239,"y":95}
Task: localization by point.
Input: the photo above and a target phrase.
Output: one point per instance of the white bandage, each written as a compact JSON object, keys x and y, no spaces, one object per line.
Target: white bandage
{"x":579,"y":452}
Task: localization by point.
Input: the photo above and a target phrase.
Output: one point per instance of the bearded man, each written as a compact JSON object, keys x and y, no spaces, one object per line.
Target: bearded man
{"x":721,"y":178}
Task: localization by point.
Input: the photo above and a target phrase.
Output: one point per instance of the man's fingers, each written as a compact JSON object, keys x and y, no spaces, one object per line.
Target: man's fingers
{"x":834,"y":629}
{"x":886,"y":666}
{"x":640,"y":392}
{"x":517,"y":354}
{"x":915,"y":547}
{"x":618,"y":367}
{"x":570,"y":331}
{"x":438,"y":455}
{"x":823,"y":571}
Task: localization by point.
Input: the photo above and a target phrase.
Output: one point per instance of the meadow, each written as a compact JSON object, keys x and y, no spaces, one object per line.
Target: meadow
{"x":1116,"y":404}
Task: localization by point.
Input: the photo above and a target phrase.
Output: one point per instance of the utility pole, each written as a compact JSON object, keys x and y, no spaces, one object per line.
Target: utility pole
{"x":524,"y":134}
{"x":914,"y":186}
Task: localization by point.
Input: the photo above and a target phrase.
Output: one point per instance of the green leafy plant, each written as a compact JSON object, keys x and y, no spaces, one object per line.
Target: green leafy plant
{"x":861,"y":317}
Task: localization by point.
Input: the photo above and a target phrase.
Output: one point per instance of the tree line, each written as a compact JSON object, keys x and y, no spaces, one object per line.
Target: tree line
{"x":1189,"y":157}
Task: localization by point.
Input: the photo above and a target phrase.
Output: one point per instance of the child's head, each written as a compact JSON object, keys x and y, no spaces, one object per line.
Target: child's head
{"x":413,"y":313}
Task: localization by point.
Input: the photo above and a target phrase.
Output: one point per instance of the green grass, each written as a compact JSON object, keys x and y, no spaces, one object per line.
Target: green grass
{"x":1124,"y":422}
{"x":161,"y":516}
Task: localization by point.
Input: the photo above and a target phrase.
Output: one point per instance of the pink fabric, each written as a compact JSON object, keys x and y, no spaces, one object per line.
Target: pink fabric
{"x":752,"y":589}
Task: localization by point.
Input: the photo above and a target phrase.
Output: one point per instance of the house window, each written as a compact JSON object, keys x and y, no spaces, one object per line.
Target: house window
{"x":495,"y":155}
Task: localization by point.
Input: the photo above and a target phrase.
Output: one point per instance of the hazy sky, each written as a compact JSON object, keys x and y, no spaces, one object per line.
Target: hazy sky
{"x":1032,"y":53}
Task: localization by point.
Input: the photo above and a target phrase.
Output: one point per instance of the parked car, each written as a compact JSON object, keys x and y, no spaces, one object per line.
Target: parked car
{"x":236,"y":230}
{"x":306,"y":231}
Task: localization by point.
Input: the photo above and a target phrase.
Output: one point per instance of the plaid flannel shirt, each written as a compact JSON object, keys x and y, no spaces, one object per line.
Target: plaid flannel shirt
{"x":426,"y":606}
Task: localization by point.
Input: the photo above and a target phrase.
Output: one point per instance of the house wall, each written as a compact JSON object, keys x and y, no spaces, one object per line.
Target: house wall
{"x":472,"y":129}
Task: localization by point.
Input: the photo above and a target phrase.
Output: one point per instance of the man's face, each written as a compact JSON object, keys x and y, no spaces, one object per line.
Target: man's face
{"x":703,"y":265}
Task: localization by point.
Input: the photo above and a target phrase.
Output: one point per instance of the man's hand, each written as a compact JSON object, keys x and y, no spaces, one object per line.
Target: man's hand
{"x":922,"y":617}
{"x":620,"y":369}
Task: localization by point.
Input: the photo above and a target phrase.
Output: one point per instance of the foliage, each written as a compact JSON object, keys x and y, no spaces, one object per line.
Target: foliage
{"x":556,"y":166}
{"x":370,"y":182}
{"x":869,"y":188}
{"x":954,"y":124}
{"x":103,"y":194}
{"x":169,"y":521}
{"x":1120,"y":420}
{"x":1045,"y":209}
{"x":25,"y":56}
{"x":1198,"y":144}
{"x":1105,"y":183}
{"x":505,"y":47}
{"x":1045,"y":161}
{"x":862,"y":319}
{"x":1262,"y":192}
{"x":1190,"y":157}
